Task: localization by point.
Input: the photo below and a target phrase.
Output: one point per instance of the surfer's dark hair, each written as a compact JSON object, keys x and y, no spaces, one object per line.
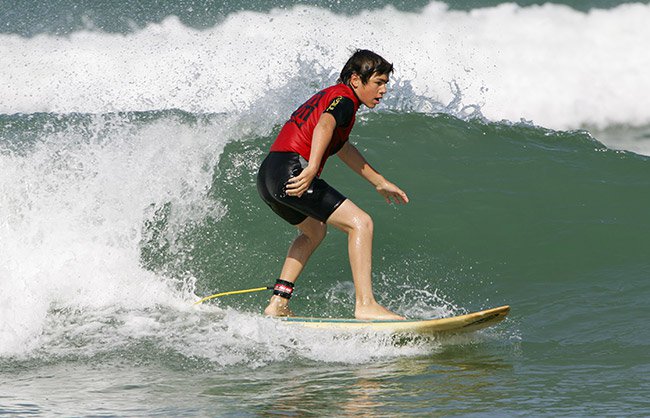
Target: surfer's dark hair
{"x":364,"y":63}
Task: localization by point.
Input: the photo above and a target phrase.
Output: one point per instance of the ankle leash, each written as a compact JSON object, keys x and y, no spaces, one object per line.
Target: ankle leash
{"x":283,"y":288}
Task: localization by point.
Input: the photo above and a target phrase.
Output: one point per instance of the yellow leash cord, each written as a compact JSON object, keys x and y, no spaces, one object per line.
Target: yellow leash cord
{"x":234,"y":292}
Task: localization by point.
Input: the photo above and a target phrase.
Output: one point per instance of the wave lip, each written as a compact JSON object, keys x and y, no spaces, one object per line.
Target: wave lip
{"x":550,"y":64}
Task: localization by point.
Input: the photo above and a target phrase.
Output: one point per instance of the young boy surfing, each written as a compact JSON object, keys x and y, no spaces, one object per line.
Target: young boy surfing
{"x":289,"y":180}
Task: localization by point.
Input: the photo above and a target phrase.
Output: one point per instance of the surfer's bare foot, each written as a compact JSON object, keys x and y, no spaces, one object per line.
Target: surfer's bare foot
{"x":374,"y":311}
{"x":278,"y":307}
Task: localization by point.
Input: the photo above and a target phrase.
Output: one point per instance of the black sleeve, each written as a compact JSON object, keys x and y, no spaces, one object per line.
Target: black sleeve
{"x":342,"y":108}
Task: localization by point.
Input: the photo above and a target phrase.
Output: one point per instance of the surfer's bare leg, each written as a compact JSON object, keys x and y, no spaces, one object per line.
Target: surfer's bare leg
{"x":312,"y":233}
{"x":349,"y":218}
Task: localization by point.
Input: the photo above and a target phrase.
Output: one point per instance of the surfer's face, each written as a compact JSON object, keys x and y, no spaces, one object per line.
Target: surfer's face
{"x":372,"y":92}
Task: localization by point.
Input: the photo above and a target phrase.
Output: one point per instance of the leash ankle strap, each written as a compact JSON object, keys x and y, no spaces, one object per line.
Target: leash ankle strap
{"x":283,"y":288}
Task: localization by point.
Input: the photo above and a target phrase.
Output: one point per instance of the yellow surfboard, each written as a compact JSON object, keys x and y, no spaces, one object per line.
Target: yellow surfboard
{"x":452,"y":325}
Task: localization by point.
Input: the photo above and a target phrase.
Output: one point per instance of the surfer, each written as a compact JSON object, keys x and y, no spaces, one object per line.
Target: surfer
{"x":289,"y":180}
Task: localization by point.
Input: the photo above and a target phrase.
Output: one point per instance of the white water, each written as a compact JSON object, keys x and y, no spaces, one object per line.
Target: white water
{"x":549,"y":64}
{"x":73,"y":209}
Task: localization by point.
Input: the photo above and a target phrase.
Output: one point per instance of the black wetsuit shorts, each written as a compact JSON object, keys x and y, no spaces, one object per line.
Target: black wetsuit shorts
{"x":319,"y":201}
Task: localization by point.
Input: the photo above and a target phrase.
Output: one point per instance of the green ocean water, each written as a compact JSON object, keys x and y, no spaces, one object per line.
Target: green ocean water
{"x":123,"y":200}
{"x":552,"y":223}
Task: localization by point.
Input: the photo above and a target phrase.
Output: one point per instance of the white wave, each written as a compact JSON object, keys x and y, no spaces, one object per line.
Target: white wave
{"x":220,"y":338}
{"x":549,"y":64}
{"x":72,"y":210}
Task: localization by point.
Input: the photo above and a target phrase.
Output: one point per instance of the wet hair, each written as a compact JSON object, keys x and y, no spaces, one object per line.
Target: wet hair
{"x":364,"y":63}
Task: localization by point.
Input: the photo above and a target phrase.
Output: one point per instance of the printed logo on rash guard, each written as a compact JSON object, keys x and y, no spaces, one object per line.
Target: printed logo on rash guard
{"x":334,"y":103}
{"x":300,"y":116}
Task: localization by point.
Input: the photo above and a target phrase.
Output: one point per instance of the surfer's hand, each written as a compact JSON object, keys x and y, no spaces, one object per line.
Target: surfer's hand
{"x":298,"y":185}
{"x":392,"y":193}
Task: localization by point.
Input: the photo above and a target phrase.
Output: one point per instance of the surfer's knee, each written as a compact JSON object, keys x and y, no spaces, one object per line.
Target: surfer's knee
{"x":317,"y":235}
{"x":314,"y":230}
{"x":350,"y":218}
{"x":362,"y":222}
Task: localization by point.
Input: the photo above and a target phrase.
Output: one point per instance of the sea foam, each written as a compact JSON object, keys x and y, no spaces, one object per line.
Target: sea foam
{"x":73,"y":205}
{"x":550,"y":64}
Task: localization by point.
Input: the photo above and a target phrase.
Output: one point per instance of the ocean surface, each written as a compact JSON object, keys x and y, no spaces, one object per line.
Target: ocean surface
{"x":130,"y":136}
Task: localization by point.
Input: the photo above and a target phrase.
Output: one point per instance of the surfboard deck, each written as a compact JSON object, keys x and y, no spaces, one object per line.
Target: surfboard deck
{"x":452,"y":325}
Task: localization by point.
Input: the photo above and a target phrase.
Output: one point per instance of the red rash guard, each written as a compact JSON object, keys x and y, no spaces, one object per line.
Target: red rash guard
{"x":296,"y":134}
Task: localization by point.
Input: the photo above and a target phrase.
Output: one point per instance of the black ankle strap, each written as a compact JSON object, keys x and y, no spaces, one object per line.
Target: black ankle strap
{"x":283,"y":288}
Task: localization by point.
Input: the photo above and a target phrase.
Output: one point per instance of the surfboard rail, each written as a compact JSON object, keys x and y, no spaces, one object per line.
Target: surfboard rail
{"x":456,"y":324}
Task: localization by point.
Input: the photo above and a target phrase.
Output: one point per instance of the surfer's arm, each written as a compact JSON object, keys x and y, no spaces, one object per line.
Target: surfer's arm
{"x":321,"y":138}
{"x":351,"y":156}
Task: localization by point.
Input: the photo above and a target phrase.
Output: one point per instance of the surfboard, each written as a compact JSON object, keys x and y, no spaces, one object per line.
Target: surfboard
{"x":452,"y":325}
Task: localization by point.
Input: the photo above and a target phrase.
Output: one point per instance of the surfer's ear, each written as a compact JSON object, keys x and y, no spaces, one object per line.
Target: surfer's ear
{"x":355,"y":81}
